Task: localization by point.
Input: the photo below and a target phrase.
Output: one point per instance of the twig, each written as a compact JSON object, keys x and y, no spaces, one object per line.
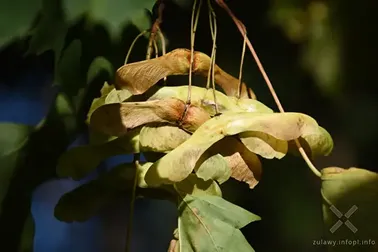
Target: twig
{"x":133,"y":44}
{"x":156,"y":49}
{"x":155,"y":28}
{"x":132,"y":204}
{"x":193,"y":28}
{"x":163,"y":48}
{"x":162,"y":41}
{"x":241,"y":65}
{"x":242,"y":30}
{"x":213,"y":37}
{"x":213,"y":30}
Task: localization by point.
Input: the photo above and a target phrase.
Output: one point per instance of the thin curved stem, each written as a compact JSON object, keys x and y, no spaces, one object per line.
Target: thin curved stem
{"x":163,"y":48}
{"x":156,"y":49}
{"x":193,"y":29}
{"x":241,"y":65}
{"x":242,"y":30}
{"x":213,"y":29}
{"x":163,"y":43}
{"x":133,"y":44}
{"x":132,"y":204}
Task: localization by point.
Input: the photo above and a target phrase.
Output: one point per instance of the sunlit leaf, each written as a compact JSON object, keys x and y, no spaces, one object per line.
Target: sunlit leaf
{"x":79,"y":161}
{"x":117,"y":119}
{"x":13,"y":137}
{"x":179,"y":163}
{"x":86,"y":200}
{"x":350,"y":200}
{"x":204,"y":98}
{"x":194,"y":185}
{"x":214,"y":167}
{"x":264,"y":145}
{"x":161,"y":138}
{"x":210,"y":223}
{"x":138,"y":77}
{"x":98,"y":65}
{"x":16,"y":18}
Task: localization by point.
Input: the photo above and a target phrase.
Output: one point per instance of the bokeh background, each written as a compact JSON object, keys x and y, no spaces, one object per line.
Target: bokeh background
{"x":322,"y":59}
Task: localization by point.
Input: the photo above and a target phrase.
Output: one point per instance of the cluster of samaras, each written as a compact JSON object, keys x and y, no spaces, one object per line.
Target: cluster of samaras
{"x":183,"y":141}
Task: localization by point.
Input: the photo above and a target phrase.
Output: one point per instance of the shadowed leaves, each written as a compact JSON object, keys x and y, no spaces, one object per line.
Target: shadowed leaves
{"x":13,"y":138}
{"x":138,"y":77}
{"x":108,"y":95}
{"x":79,"y":161}
{"x":85,"y":201}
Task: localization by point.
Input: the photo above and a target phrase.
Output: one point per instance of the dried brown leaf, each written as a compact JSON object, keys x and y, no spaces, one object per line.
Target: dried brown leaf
{"x":245,"y":165}
{"x":138,"y":77}
{"x":117,"y":119}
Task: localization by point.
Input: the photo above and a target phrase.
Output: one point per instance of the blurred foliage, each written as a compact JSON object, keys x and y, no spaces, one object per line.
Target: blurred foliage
{"x":331,"y":40}
{"x":310,"y":23}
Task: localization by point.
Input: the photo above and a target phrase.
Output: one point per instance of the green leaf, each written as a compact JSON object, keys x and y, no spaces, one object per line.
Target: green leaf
{"x":161,"y":138}
{"x":204,"y":98}
{"x":264,"y":145}
{"x":13,"y":137}
{"x":98,"y":65}
{"x":114,"y":14}
{"x":16,"y":18}
{"x":75,"y":9}
{"x":68,"y":71}
{"x":180,"y":162}
{"x":66,"y":112}
{"x":353,"y":192}
{"x":79,"y":161}
{"x":210,"y":223}
{"x":50,"y":32}
{"x":214,"y":167}
{"x":194,"y":185}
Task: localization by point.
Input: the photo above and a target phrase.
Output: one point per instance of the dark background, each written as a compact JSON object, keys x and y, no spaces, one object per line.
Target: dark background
{"x":320,"y":64}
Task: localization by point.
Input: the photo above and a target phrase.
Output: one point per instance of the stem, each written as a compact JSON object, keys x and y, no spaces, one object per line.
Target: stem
{"x":156,"y":49}
{"x":133,"y":44}
{"x":162,"y":41}
{"x":155,"y":28}
{"x":163,"y":48}
{"x":213,"y":29}
{"x":193,"y":28}
{"x":212,"y":50}
{"x":132,"y":204}
{"x":242,"y":30}
{"x":241,"y":66}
